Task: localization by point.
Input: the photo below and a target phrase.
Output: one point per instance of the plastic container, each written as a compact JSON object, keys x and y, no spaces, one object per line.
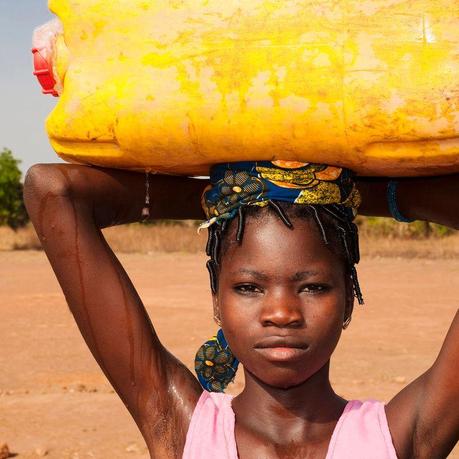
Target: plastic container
{"x":176,"y":86}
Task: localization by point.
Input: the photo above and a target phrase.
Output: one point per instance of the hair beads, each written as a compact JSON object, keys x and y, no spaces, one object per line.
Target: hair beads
{"x":215,"y":364}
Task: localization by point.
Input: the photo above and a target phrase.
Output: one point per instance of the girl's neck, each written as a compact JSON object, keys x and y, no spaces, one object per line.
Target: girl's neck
{"x":308,"y":411}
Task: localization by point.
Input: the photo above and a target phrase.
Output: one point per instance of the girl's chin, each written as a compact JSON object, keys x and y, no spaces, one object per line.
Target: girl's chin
{"x":280,"y":378}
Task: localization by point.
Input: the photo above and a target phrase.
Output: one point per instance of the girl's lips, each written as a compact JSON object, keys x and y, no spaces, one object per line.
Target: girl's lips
{"x":282,"y":354}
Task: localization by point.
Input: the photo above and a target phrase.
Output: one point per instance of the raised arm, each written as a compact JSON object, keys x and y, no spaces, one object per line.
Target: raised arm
{"x":434,"y":199}
{"x":424,"y":417}
{"x":68,"y":205}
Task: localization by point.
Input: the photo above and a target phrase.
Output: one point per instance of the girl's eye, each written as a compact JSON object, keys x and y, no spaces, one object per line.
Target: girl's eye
{"x":315,"y":288}
{"x":247,"y":289}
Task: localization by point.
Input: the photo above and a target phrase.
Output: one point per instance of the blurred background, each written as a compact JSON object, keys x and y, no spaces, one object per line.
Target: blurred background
{"x":23,"y":107}
{"x":54,"y":400}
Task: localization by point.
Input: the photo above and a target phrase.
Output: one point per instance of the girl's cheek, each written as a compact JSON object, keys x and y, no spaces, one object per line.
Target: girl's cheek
{"x":326,"y":323}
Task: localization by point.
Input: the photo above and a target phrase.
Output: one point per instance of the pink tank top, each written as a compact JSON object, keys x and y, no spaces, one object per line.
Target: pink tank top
{"x":361,"y":431}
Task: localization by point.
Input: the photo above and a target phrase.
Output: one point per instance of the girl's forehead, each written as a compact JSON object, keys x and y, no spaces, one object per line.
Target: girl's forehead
{"x":269,"y":243}
{"x":269,"y":233}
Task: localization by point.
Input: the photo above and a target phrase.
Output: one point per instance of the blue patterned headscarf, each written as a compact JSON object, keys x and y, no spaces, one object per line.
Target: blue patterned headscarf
{"x":257,"y":182}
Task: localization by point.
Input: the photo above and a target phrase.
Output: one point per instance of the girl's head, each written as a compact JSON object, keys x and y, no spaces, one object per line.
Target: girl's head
{"x":282,"y":294}
{"x":283,"y":283}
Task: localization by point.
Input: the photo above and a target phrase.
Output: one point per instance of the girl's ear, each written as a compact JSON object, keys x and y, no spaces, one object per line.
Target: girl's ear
{"x":216,"y":310}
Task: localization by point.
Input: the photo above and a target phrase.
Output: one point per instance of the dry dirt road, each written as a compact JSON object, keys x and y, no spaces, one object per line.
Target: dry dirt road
{"x":55,"y":402}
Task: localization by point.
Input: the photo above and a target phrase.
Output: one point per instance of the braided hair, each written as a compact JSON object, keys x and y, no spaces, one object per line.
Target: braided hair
{"x":337,"y":231}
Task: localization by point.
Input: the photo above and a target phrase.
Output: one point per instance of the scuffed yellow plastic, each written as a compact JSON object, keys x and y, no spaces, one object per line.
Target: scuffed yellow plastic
{"x":178,"y":85}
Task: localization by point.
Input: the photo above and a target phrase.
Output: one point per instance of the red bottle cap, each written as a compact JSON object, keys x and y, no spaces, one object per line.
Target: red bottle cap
{"x":44,"y":72}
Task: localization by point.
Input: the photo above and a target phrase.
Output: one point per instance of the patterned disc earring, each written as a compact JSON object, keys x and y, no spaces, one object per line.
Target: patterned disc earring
{"x":215,"y":364}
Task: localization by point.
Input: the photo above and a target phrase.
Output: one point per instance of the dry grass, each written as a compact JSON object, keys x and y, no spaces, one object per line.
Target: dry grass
{"x":22,"y":239}
{"x":433,"y":247}
{"x":184,"y":238}
{"x":156,"y":238}
{"x":128,"y":238}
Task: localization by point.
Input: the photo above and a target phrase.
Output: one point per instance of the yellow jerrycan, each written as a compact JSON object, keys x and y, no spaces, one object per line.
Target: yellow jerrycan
{"x":178,"y":85}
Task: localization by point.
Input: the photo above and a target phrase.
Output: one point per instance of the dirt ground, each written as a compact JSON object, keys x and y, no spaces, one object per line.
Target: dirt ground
{"x":55,"y":402}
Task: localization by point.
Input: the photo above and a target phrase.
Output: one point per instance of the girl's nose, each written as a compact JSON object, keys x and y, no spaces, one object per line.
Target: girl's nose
{"x":282,"y":311}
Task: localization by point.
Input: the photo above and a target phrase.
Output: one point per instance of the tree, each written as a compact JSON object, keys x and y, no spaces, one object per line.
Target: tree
{"x":12,"y":209}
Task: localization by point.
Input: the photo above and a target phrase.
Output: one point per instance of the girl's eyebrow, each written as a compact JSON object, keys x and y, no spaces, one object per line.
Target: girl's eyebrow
{"x":303,"y":275}
{"x":256,"y":274}
{"x":260,"y":275}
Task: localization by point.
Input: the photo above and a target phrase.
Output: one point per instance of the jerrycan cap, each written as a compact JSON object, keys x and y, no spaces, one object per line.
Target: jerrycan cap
{"x":44,"y":73}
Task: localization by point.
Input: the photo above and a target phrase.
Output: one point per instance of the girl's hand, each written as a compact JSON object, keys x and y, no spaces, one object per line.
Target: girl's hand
{"x":434,"y":199}
{"x":68,"y":205}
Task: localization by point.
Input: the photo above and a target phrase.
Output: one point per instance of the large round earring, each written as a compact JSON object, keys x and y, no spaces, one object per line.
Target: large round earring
{"x":347,"y":322}
{"x":215,"y":364}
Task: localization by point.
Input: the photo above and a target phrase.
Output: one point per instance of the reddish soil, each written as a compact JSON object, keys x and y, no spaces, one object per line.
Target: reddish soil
{"x":55,"y":402}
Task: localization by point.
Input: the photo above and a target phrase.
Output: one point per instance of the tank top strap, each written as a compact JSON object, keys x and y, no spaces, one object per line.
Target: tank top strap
{"x":361,"y":429}
{"x":211,"y":430}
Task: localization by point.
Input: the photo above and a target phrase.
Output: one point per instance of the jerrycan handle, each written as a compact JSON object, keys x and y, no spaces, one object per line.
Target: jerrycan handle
{"x":44,"y":73}
{"x":44,"y":49}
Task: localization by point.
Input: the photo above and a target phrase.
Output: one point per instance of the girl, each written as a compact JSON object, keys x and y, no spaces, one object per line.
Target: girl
{"x":282,"y":250}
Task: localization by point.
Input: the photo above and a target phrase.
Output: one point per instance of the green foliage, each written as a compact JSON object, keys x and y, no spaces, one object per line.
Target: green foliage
{"x":12,"y":210}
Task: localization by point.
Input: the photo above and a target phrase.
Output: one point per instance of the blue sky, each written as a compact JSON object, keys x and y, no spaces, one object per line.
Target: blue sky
{"x":23,"y":108}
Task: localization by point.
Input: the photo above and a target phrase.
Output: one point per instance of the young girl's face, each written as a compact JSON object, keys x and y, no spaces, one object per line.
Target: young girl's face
{"x":282,"y":299}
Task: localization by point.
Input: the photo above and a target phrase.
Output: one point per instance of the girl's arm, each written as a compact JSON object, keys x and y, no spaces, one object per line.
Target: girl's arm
{"x":434,"y":199}
{"x":68,"y":205}
{"x":424,"y":417}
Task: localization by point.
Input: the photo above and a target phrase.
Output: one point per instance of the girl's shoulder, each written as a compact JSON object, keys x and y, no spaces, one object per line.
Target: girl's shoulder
{"x":362,"y":428}
{"x":212,"y":428}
